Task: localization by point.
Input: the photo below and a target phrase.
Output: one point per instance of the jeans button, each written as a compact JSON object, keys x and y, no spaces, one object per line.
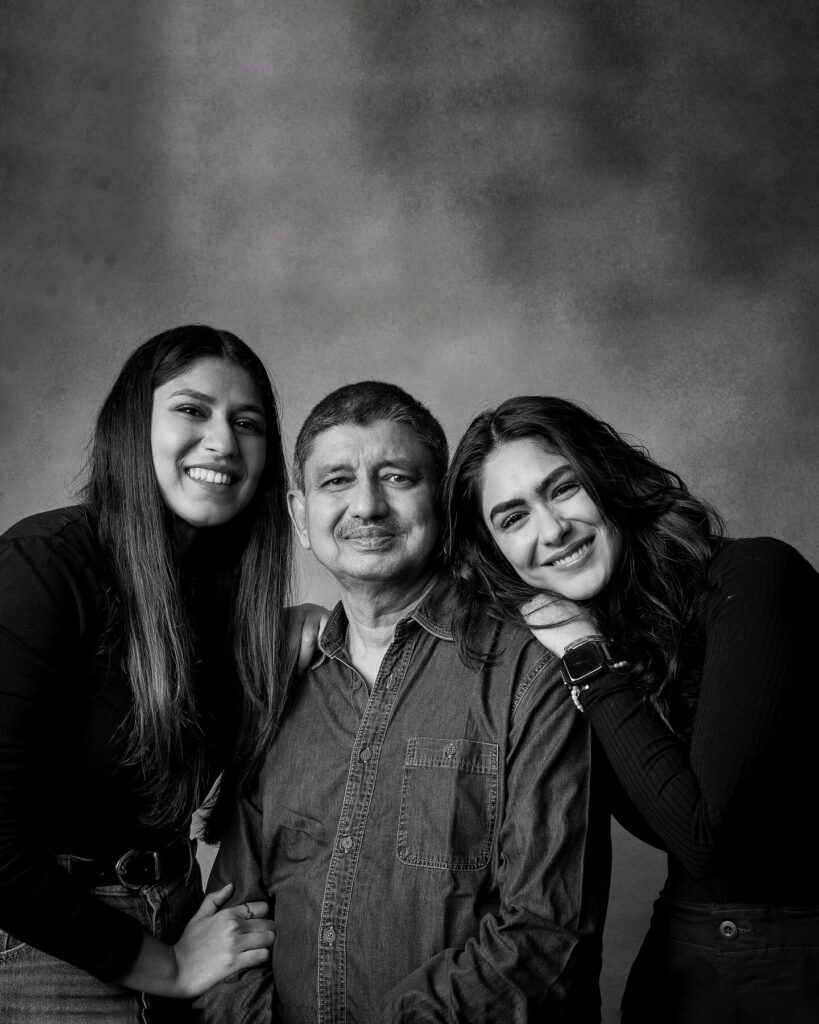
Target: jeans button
{"x":728,"y":930}
{"x":366,"y":754}
{"x":328,"y":935}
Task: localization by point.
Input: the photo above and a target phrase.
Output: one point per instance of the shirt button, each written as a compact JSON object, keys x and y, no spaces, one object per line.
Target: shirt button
{"x":346,"y":843}
{"x":329,"y":935}
{"x":728,"y":930}
{"x":450,"y":749}
{"x":366,"y":754}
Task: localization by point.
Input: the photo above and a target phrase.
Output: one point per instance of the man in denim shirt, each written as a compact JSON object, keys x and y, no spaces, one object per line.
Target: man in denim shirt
{"x":423,"y":830}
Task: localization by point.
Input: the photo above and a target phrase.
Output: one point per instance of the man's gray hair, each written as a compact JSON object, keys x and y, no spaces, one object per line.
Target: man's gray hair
{"x":363,"y":403}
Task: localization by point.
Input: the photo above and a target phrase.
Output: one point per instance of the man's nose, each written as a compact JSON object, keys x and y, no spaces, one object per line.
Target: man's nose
{"x":220,"y":437}
{"x":367,"y":500}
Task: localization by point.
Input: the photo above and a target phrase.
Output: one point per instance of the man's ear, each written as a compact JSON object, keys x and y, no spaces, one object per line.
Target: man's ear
{"x":295,"y":505}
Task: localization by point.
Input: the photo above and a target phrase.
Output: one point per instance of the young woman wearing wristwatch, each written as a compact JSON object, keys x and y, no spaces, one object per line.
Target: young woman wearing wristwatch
{"x":692,"y":657}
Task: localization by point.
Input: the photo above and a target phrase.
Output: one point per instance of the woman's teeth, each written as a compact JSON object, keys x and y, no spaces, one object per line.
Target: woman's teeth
{"x":208,"y":476}
{"x":572,"y":556}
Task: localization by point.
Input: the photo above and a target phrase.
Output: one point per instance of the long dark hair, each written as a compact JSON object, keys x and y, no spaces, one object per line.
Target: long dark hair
{"x":650,"y":606}
{"x":150,"y":614}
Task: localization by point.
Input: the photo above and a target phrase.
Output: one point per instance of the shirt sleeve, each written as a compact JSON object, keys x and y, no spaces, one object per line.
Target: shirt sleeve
{"x":756,"y":626}
{"x":246,"y":997}
{"x":538,"y":957}
{"x":41,"y":623}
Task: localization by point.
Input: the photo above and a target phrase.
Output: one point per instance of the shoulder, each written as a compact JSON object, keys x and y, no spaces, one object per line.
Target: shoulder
{"x":526,"y":665}
{"x":757,"y":557}
{"x":57,"y":526}
{"x":51,"y":546}
{"x":763,"y":572}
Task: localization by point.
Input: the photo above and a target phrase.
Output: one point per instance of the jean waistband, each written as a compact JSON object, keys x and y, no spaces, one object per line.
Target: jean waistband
{"x":709,"y":911}
{"x":134,"y":868}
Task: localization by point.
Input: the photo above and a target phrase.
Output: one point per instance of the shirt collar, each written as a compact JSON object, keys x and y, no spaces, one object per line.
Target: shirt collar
{"x":434,"y":614}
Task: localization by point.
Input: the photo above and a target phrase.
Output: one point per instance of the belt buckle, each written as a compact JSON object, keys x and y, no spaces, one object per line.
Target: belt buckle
{"x":121,"y":868}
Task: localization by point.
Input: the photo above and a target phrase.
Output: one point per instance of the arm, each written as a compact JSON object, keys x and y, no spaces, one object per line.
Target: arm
{"x":541,"y":949}
{"x":305,"y":624}
{"x":756,"y":629}
{"x":246,"y":997}
{"x":44,"y":611}
{"x":42,"y":600}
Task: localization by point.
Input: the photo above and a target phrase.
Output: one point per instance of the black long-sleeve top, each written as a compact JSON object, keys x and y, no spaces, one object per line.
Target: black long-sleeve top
{"x":63,"y":701}
{"x":735,"y":808}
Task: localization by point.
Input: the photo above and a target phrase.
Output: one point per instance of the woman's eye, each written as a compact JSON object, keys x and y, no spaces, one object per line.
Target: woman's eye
{"x":252,"y":426}
{"x":190,"y":410}
{"x":511,"y":520}
{"x":566,"y":489}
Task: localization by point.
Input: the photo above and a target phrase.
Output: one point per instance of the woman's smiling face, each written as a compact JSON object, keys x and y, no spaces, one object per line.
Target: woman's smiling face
{"x":545,"y":524}
{"x":209,"y":443}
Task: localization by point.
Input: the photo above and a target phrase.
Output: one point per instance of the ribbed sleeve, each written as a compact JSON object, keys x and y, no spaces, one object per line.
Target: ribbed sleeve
{"x":47,"y":615}
{"x":729,"y":807}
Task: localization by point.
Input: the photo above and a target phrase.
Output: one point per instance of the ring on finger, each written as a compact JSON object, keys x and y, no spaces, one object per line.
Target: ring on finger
{"x":248,"y":912}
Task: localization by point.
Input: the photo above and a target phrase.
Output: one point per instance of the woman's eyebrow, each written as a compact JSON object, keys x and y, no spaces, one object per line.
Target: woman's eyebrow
{"x":193,"y":393}
{"x":543,"y":486}
{"x":210,"y":400}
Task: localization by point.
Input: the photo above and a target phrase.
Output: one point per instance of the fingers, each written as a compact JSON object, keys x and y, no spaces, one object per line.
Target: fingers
{"x":252,"y":958}
{"x":214,"y":900}
{"x":313,"y":620}
{"x":247,"y":911}
{"x":258,"y":938}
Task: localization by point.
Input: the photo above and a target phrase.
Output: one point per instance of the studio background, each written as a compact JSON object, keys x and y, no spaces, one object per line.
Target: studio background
{"x":612,"y":201}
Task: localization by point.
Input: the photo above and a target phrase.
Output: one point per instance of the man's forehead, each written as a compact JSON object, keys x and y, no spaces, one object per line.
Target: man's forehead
{"x":379,"y":442}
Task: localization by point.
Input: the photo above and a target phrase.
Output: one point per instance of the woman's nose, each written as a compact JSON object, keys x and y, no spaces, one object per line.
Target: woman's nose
{"x":220,"y":437}
{"x":552,"y":528}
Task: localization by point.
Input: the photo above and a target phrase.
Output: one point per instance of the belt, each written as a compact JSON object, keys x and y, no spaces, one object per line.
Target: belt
{"x":134,"y":868}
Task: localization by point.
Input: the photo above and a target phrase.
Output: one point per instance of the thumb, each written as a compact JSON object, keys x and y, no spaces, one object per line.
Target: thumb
{"x":214,"y":900}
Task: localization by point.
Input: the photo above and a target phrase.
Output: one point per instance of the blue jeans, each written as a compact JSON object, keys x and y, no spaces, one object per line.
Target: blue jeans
{"x":726,"y":963}
{"x":36,"y":988}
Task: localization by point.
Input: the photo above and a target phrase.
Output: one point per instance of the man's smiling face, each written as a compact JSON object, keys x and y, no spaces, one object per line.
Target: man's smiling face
{"x":368,"y":511}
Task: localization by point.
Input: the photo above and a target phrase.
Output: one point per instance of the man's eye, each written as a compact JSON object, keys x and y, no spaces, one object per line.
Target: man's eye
{"x":398,"y":478}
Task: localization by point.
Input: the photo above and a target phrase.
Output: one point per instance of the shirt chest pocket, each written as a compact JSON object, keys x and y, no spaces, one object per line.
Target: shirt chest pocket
{"x":449,"y":803}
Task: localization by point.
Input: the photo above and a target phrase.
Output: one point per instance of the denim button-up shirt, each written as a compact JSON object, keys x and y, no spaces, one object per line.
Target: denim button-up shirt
{"x":430,"y":849}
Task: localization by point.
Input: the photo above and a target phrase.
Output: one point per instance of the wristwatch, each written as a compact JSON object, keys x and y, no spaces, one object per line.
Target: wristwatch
{"x":586,"y":659}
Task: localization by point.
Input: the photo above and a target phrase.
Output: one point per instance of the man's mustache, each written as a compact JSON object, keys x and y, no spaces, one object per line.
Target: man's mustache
{"x":379,"y":528}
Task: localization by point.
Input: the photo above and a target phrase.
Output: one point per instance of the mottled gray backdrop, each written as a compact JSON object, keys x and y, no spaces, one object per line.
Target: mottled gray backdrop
{"x":611,"y":200}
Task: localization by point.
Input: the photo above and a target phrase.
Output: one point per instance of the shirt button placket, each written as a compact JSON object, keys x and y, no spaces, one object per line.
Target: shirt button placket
{"x":328,"y":935}
{"x":345,"y":844}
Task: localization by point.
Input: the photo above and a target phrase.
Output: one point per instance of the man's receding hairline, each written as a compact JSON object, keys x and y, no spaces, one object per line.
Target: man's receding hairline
{"x":301,"y":466}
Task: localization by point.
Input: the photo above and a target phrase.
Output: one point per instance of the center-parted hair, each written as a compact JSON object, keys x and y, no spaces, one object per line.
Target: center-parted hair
{"x":251,"y":556}
{"x":363,"y":403}
{"x":668,"y":535}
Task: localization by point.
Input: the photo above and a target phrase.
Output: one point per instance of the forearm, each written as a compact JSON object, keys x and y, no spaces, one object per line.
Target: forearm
{"x":155,"y":970}
{"x":43,"y":906}
{"x":246,"y":997}
{"x":541,"y":948}
{"x":513,"y":970}
{"x":654,"y":770}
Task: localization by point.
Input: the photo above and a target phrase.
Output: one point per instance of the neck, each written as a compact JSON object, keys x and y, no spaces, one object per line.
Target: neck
{"x":372,"y":614}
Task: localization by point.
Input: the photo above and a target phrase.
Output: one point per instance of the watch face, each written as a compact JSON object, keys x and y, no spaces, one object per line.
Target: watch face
{"x":583,"y":661}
